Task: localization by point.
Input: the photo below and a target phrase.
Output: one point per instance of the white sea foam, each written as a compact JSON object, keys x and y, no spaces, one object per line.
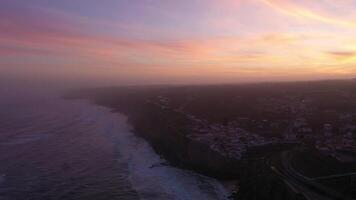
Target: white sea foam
{"x":52,"y":117}
{"x":151,"y":179}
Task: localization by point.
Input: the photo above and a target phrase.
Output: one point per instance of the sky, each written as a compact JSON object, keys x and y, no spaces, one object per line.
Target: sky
{"x":178,"y":41}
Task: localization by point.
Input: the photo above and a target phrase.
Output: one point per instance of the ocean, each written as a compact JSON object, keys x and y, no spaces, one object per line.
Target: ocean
{"x":54,"y":148}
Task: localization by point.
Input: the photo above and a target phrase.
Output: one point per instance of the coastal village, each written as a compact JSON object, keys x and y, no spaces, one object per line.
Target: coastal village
{"x":298,"y":138}
{"x":231,"y":139}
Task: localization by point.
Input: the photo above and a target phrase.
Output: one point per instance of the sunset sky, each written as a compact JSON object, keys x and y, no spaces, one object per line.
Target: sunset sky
{"x":178,"y":41}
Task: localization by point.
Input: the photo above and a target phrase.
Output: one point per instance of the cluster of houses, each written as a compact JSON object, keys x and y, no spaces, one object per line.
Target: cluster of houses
{"x":229,"y":140}
{"x":340,"y":146}
{"x":233,"y":141}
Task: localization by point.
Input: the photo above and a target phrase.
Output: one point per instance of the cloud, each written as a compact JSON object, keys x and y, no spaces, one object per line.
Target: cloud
{"x":72,"y":40}
{"x":343,"y":56}
{"x":51,"y":38}
{"x":35,"y":33}
{"x":290,"y":8}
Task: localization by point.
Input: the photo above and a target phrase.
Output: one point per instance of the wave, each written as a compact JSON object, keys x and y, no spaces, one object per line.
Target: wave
{"x":151,"y":176}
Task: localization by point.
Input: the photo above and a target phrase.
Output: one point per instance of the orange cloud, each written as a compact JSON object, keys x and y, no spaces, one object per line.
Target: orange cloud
{"x":257,"y":54}
{"x":343,"y":56}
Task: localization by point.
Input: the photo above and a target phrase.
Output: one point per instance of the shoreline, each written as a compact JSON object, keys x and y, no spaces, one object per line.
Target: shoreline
{"x":157,"y":167}
{"x":182,"y":152}
{"x":168,"y":131}
{"x":168,"y":140}
{"x":236,"y":183}
{"x":147,"y":176}
{"x":228,"y":186}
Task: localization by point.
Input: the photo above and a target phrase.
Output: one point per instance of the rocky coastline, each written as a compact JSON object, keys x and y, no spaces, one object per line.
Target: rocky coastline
{"x":168,"y":134}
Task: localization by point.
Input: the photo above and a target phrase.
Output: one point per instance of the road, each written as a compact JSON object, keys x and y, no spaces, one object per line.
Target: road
{"x":303,"y":185}
{"x":298,"y":188}
{"x":333,"y":176}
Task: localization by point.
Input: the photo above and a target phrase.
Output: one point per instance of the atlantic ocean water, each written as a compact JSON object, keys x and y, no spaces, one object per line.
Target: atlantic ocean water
{"x":54,"y":148}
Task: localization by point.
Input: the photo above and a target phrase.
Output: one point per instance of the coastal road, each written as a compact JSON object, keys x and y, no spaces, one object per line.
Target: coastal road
{"x":298,"y":188}
{"x":303,"y":185}
{"x":333,"y":176}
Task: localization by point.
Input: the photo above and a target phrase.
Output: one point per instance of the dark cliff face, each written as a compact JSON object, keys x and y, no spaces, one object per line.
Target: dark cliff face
{"x":168,"y":137}
{"x":256,"y":180}
{"x":167,"y":132}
